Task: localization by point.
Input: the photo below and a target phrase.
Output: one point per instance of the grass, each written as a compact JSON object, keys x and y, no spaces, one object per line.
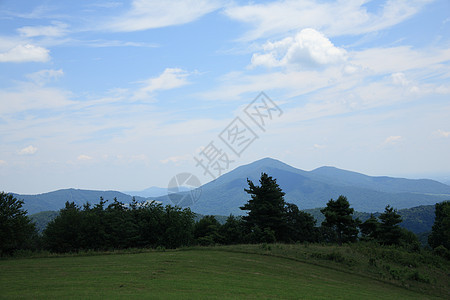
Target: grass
{"x":244,"y":271}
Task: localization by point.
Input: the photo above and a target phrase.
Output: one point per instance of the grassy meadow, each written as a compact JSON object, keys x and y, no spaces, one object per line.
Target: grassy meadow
{"x":243,"y":271}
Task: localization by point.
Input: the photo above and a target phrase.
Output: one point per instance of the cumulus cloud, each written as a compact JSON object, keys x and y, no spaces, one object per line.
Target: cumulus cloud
{"x":317,"y":146}
{"x":148,"y":14}
{"x":45,"y":76}
{"x":308,"y":48}
{"x":171,"y":78}
{"x":2,"y":162}
{"x":84,"y":157}
{"x":177,"y":159}
{"x":28,"y":150}
{"x":443,"y":133}
{"x":56,"y":30}
{"x":399,"y":79}
{"x":25,"y":53}
{"x":393,"y":139}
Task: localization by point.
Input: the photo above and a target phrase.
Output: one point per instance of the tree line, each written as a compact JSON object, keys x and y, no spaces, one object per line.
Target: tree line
{"x":268,"y":219}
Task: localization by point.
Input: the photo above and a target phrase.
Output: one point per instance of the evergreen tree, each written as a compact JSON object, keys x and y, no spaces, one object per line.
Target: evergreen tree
{"x":16,"y":229}
{"x":266,"y":208}
{"x":301,"y":225}
{"x":206,"y":231}
{"x":338,"y":217}
{"x":232,"y":231}
{"x":370,"y":228}
{"x":440,"y":233}
{"x":390,"y":232}
{"x":63,"y":234}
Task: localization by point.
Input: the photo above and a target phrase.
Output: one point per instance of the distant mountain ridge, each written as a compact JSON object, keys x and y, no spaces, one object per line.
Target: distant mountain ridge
{"x":153,"y":191}
{"x":307,"y":189}
{"x":312,"y":189}
{"x":56,"y":200}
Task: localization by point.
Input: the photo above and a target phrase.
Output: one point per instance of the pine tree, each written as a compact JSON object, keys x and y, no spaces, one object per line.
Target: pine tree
{"x":390,"y":232}
{"x":266,"y":208}
{"x":440,"y":234}
{"x":338,"y":217}
{"x":370,"y":228}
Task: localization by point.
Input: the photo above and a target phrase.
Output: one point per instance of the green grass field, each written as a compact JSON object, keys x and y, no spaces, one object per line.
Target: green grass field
{"x":219,"y":272}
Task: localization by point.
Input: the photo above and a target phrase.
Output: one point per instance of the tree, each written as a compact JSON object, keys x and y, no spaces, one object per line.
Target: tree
{"x":301,"y":225}
{"x":64,"y":233}
{"x":232,"y":231}
{"x":206,"y":231}
{"x":338,"y":217}
{"x":370,"y":228}
{"x":389,"y":232}
{"x":16,"y":229}
{"x":440,"y":232}
{"x":266,"y":208}
{"x":178,"y":225}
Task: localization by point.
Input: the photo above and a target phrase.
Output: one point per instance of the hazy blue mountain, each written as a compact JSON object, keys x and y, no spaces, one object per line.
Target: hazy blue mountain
{"x":380,"y":183}
{"x":57,"y":199}
{"x":153,"y":191}
{"x":307,"y":189}
{"x":417,"y":219}
{"x":311,"y":189}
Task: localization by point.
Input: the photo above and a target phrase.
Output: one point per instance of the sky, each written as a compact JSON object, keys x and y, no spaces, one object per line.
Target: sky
{"x":124,"y":95}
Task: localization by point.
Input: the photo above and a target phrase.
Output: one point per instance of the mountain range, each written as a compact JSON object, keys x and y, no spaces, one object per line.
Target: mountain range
{"x":307,"y":189}
{"x":312,"y":189}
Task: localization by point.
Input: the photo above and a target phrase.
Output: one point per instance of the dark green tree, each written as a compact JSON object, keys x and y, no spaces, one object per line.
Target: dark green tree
{"x":339,"y":217}
{"x":370,"y":228}
{"x":16,"y":229}
{"x":207,"y":231}
{"x":389,"y":232}
{"x":266,"y":208}
{"x":440,"y":232}
{"x":232,"y":232}
{"x":178,"y":226}
{"x":121,"y":230}
{"x":300,"y":225}
{"x":64,"y":233}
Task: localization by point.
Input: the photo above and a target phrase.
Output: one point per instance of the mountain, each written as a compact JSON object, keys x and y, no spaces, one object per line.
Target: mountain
{"x":311,"y":189}
{"x":417,"y":219}
{"x":153,"y":191}
{"x":56,"y":200}
{"x":307,"y":189}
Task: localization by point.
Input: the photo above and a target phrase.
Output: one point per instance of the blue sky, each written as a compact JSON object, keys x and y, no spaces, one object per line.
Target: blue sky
{"x":125,"y":95}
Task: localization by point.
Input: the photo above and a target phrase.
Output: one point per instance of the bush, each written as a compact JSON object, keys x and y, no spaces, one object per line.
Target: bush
{"x":442,"y":252}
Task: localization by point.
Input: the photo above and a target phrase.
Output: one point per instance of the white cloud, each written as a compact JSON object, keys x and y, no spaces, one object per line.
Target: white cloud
{"x":399,"y":59}
{"x":177,"y":159}
{"x":44,"y":76}
{"x":400,"y":79}
{"x":171,"y":78}
{"x":30,"y":96}
{"x":334,"y":18}
{"x":25,"y":53}
{"x":309,"y":48}
{"x":443,"y":133}
{"x":56,"y":30}
{"x":28,"y":150}
{"x":317,"y":146}
{"x":2,"y":163}
{"x":148,"y":14}
{"x":84,"y":157}
{"x":393,"y":139}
